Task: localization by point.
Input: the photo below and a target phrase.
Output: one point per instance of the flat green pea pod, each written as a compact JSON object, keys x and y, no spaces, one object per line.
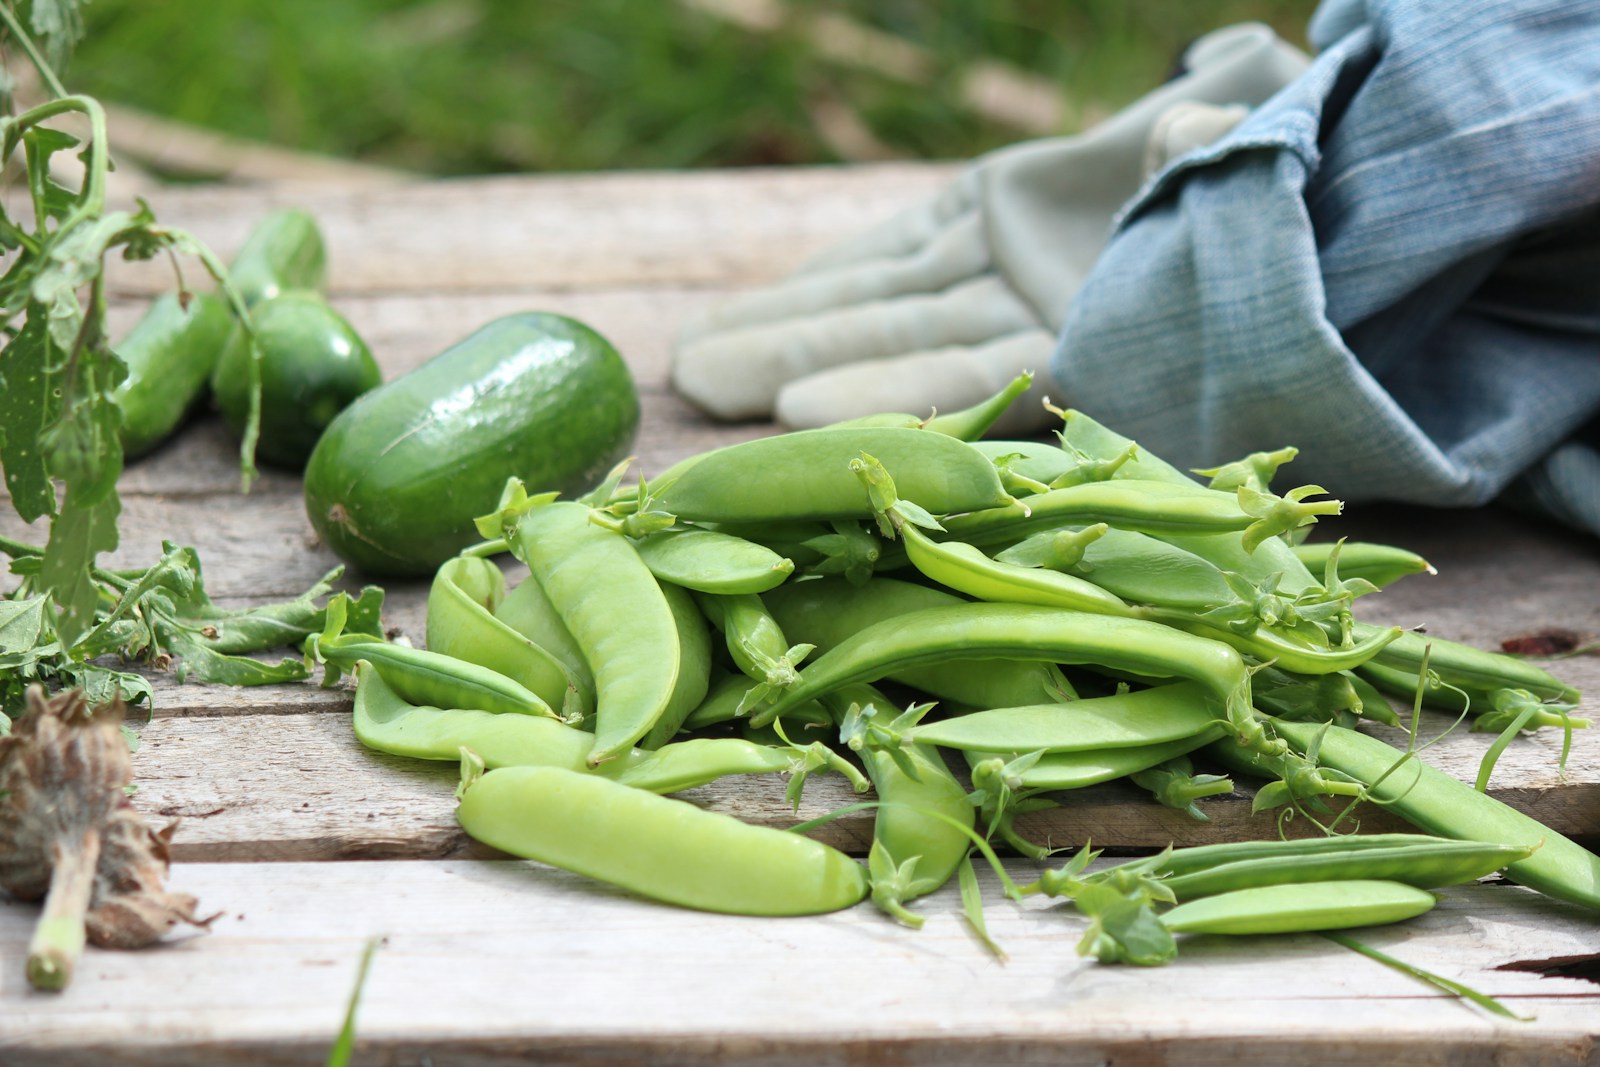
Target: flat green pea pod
{"x":1463,"y":665}
{"x":528,"y":611}
{"x":1284,"y":650}
{"x":1426,"y":862}
{"x":385,"y":721}
{"x":1436,"y":693}
{"x":831,"y":610}
{"x":1300,"y":908}
{"x":418,"y":675}
{"x":1157,"y":715}
{"x":657,"y":847}
{"x":616,"y":612}
{"x":461,"y":623}
{"x":966,"y":569}
{"x":711,"y":562}
{"x":806,"y":475}
{"x":1076,"y":770}
{"x":914,"y":853}
{"x":1379,"y":564}
{"x":169,"y":354}
{"x":1441,"y":804}
{"x":757,"y":644}
{"x":967,"y":424}
{"x":694,"y":666}
{"x":1026,"y":631}
{"x":1134,"y":566}
{"x":1150,"y":507}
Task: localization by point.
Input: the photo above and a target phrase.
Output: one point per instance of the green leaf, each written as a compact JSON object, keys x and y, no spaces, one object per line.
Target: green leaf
{"x":77,"y":535}
{"x":29,"y":401}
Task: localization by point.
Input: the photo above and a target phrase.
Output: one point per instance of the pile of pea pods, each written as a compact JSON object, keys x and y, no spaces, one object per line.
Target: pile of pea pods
{"x":963,"y":628}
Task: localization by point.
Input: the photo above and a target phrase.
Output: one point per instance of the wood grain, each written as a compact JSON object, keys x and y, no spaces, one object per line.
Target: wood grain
{"x":507,"y":962}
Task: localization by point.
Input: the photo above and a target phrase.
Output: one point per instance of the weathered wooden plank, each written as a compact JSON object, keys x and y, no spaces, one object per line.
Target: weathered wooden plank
{"x":570,"y":232}
{"x":296,"y":785}
{"x":500,"y":962}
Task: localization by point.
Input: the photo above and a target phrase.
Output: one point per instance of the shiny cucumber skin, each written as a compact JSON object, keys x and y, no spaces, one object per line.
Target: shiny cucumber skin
{"x":395,"y":482}
{"x":170,"y":354}
{"x":282,"y":253}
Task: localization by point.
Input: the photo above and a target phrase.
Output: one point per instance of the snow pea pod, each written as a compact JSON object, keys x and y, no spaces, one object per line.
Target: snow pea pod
{"x":1441,"y":804}
{"x":384,"y":720}
{"x":694,"y":666}
{"x":1026,"y":631}
{"x":1151,"y":716}
{"x":1137,"y":567}
{"x":966,"y":424}
{"x":1426,"y":862}
{"x":528,"y":611}
{"x":1075,"y":770}
{"x":831,"y":610}
{"x":615,"y":610}
{"x":1379,"y":564}
{"x":460,"y":623}
{"x":965,"y":569}
{"x":1465,"y":666}
{"x":806,"y":475}
{"x":921,"y":831}
{"x":1284,"y":651}
{"x":711,"y":562}
{"x":1300,"y":908}
{"x":431,"y":678}
{"x":657,"y":847}
{"x":1148,"y":507}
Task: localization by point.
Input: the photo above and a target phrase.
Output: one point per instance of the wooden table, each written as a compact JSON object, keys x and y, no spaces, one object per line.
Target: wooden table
{"x":310,"y":845}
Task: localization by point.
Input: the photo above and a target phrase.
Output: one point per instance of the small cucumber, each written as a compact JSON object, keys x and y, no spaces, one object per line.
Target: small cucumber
{"x":313,"y":364}
{"x":284,"y":253}
{"x":170,"y":354}
{"x":398,"y":477}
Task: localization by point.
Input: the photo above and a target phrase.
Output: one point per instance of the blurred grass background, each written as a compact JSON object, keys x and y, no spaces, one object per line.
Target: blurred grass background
{"x":453,"y":87}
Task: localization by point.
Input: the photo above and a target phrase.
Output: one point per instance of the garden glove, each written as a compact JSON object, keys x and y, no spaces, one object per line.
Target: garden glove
{"x":1393,"y":265}
{"x":943,"y":305}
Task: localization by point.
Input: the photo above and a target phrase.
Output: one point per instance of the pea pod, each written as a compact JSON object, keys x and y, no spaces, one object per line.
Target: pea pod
{"x":528,"y":611}
{"x":967,"y":424}
{"x":806,"y":475}
{"x":1379,"y":564}
{"x":1126,"y":504}
{"x":1440,"y":804}
{"x":1425,"y":863}
{"x":694,"y":666}
{"x":616,"y":612}
{"x":965,"y":569}
{"x":1139,"y":568}
{"x":831,"y":610}
{"x":461,"y":624}
{"x":1027,"y":631}
{"x":1465,"y":666}
{"x":1300,"y":908}
{"x":655,"y":846}
{"x":757,"y":645}
{"x":385,"y":721}
{"x":1151,"y":716}
{"x":711,"y":562}
{"x":1086,"y":767}
{"x":418,"y":675}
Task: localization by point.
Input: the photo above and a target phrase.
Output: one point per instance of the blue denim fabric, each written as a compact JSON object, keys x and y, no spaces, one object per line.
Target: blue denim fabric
{"x":1393,"y":264}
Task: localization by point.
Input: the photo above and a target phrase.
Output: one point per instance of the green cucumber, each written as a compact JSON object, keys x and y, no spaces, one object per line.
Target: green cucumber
{"x":313,"y":364}
{"x":395,"y":483}
{"x":283,"y":253}
{"x":170,"y":354}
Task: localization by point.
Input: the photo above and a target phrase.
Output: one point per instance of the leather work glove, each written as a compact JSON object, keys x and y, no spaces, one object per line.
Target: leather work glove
{"x":943,"y":305}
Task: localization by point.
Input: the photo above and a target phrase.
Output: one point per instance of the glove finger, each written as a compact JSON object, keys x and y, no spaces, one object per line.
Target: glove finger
{"x":957,"y":254}
{"x":919,"y":383}
{"x":903,"y":234}
{"x":736,"y":374}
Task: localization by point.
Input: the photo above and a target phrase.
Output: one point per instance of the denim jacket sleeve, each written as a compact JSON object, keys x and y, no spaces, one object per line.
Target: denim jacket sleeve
{"x":1393,"y":264}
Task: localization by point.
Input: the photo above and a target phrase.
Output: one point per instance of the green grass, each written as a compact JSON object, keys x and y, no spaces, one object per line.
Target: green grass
{"x":482,"y":86}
